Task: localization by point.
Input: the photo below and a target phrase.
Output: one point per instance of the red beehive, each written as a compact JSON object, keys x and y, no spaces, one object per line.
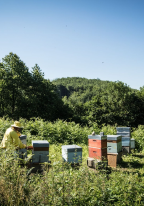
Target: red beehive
{"x":97,"y":143}
{"x":98,"y":153}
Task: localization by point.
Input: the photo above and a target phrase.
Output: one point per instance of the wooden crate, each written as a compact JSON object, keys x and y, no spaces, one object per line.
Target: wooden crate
{"x":114,"y":159}
{"x":126,"y":150}
{"x":95,"y":163}
{"x":98,"y":153}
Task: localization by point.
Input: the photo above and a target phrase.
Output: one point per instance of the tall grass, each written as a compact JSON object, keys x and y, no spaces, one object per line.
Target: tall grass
{"x":64,"y":185}
{"x":61,"y":184}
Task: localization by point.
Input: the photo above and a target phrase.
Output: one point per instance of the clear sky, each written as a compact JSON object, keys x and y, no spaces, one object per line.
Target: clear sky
{"x":77,"y":38}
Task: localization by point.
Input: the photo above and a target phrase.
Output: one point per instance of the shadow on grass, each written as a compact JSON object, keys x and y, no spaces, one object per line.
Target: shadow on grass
{"x":138,"y":155}
{"x":133,"y":164}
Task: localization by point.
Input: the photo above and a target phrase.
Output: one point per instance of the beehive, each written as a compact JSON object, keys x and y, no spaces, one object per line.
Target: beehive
{"x":123,"y":129}
{"x":72,"y":153}
{"x":114,"y":159}
{"x":97,"y":141}
{"x":98,"y":153}
{"x":132,"y":143}
{"x":40,"y":151}
{"x":23,"y":139}
{"x":114,"y":143}
{"x":126,"y":141}
{"x":126,"y":150}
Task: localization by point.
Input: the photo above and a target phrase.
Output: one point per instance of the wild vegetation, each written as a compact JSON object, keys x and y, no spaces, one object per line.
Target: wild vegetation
{"x":66,"y":111}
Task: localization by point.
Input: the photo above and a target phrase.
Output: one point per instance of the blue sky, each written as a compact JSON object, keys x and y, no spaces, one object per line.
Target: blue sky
{"x":77,"y":38}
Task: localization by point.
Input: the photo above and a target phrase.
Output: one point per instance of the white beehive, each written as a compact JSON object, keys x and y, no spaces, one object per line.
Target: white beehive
{"x":72,"y":153}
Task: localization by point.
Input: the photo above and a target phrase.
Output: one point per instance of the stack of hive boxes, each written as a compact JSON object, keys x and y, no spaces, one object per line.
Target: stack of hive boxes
{"x":97,"y":145}
{"x":23,"y":152}
{"x":72,"y":154}
{"x":126,"y":138}
{"x":114,"y":149}
{"x":40,"y":151}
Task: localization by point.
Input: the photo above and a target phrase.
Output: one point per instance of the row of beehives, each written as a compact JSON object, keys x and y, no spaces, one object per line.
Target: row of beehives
{"x":99,"y":147}
{"x":40,"y":152}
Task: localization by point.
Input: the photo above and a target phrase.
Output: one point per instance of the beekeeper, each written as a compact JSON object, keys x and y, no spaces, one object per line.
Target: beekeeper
{"x":11,"y":137}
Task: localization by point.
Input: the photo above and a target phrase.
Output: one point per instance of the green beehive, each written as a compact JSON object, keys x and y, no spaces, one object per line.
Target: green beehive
{"x":114,"y":143}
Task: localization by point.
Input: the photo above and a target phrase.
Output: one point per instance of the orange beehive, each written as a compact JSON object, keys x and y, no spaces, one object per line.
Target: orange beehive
{"x":98,"y":153}
{"x":97,"y":143}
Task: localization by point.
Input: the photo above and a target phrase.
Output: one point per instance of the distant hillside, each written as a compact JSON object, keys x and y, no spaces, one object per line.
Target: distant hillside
{"x":83,"y":89}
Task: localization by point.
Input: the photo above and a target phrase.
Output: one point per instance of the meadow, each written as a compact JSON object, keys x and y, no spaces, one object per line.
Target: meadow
{"x":61,"y":184}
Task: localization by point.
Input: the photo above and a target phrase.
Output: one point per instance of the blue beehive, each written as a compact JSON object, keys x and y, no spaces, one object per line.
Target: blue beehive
{"x":114,"y":143}
{"x":40,"y":151}
{"x":123,"y":129}
{"x":126,"y":141}
{"x":72,"y":153}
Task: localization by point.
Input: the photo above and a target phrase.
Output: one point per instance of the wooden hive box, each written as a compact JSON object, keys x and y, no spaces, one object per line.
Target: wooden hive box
{"x":114,"y":159}
{"x":40,"y":151}
{"x":97,"y":141}
{"x":126,"y":150}
{"x":114,"y":143}
{"x":72,"y":153}
{"x":98,"y":153}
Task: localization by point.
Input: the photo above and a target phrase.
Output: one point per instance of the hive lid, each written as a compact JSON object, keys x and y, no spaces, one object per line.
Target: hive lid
{"x":40,"y":143}
{"x":114,"y":137}
{"x":22,"y":137}
{"x":98,"y":137}
{"x":72,"y":148}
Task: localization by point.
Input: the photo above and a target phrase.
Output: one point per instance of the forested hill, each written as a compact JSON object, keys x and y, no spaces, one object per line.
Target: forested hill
{"x":81,"y":88}
{"x":103,"y":102}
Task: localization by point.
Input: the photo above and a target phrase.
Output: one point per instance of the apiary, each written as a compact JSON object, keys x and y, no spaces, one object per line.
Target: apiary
{"x":97,"y":141}
{"x":23,"y":139}
{"x":114,"y":159}
{"x":114,"y":143}
{"x":72,"y":153}
{"x":40,"y":151}
{"x":132,"y":143}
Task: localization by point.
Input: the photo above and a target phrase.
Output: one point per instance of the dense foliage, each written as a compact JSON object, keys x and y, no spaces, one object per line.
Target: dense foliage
{"x":27,"y":94}
{"x":102,"y":102}
{"x":66,"y":132}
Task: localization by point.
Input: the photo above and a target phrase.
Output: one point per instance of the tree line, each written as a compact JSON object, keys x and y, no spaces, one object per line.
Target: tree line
{"x":27,"y":94}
